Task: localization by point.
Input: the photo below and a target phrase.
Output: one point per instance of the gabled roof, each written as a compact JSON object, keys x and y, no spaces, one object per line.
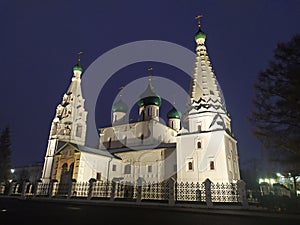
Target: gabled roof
{"x":143,"y":147}
{"x":81,"y":148}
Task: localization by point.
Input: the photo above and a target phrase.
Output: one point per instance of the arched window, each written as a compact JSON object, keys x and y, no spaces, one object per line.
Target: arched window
{"x":79,"y":130}
{"x":199,"y":128}
{"x":127,"y":169}
{"x":212,"y":165}
{"x":143,"y":116}
{"x":54,"y":129}
{"x":199,"y":144}
{"x":190,"y":165}
{"x":109,"y":143}
{"x":64,"y":168}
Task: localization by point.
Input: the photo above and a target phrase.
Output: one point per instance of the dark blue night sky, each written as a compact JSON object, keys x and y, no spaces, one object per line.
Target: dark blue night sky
{"x":40,"y":41}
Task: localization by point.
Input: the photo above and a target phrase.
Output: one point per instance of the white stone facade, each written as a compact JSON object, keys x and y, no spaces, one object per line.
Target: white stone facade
{"x":69,"y":123}
{"x":148,"y":150}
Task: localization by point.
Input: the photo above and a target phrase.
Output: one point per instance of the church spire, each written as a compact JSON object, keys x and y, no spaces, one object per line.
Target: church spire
{"x":69,"y":123}
{"x":205,"y":94}
{"x":204,"y":89}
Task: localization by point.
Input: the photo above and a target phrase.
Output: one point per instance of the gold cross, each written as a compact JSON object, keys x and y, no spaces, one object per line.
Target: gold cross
{"x":198,"y":18}
{"x":150,"y":69}
{"x":120,"y":88}
{"x":78,"y":60}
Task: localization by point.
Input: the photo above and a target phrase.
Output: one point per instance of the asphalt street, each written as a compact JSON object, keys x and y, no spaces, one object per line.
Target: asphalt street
{"x":17,"y":211}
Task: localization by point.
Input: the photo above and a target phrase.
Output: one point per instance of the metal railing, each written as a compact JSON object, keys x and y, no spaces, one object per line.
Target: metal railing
{"x":169,"y":191}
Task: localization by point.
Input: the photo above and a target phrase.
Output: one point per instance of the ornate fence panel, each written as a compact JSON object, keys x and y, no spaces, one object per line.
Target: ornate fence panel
{"x":42,"y":189}
{"x":221,"y":192}
{"x":81,"y":189}
{"x":61,"y":189}
{"x":155,"y":191}
{"x":102,"y":189}
{"x":190,"y":191}
{"x":125,"y":190}
{"x":184,"y":192}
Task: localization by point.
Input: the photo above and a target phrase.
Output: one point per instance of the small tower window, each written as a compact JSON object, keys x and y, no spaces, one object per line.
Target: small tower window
{"x":127,"y":169}
{"x":98,"y":177}
{"x":114,"y":167}
{"x":175,"y":168}
{"x":109,"y":142}
{"x":212,"y":165}
{"x":190,"y":165}
{"x":199,"y":128}
{"x":199,"y":144}
{"x":78,"y":130}
{"x":150,"y":169}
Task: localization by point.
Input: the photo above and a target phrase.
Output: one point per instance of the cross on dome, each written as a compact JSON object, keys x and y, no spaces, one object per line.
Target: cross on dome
{"x":198,"y":19}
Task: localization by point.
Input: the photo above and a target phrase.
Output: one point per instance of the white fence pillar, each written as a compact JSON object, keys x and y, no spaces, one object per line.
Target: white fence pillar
{"x":171,"y":191}
{"x":72,"y":189}
{"x":2,"y":188}
{"x":24,"y":188}
{"x":52,"y":188}
{"x":209,"y":202}
{"x":113,"y":189}
{"x":139,"y":191}
{"x":11,"y":189}
{"x":37,"y":188}
{"x":241,"y":185}
{"x":92,"y":182}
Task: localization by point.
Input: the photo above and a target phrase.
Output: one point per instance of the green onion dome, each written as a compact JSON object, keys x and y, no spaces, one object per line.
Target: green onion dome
{"x":149,"y":97}
{"x":120,"y":106}
{"x":200,"y":34}
{"x":174,"y":114}
{"x":77,"y":67}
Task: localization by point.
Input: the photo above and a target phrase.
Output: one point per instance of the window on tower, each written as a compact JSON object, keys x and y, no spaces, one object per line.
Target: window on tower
{"x":199,"y":128}
{"x":114,"y":167}
{"x":150,"y":169}
{"x":212,"y":165}
{"x":199,"y":144}
{"x":109,"y":143}
{"x":79,"y":130}
{"x":98,"y":177}
{"x":190,"y":165}
{"x":175,"y":168}
{"x":127,"y":169}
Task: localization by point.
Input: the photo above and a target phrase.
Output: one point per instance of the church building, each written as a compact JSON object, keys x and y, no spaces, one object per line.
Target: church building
{"x":147,"y":150}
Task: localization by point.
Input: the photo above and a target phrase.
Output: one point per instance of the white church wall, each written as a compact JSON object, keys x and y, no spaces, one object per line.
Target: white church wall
{"x":153,"y":165}
{"x":211,"y":154}
{"x":92,"y":165}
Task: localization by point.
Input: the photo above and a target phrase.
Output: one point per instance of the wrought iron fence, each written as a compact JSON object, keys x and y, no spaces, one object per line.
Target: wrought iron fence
{"x":190,"y":192}
{"x":167,"y":191}
{"x":81,"y":189}
{"x":221,"y":192}
{"x":155,"y":191}
{"x":102,"y":189}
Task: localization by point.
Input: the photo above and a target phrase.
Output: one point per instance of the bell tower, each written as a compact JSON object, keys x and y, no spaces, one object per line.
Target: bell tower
{"x":69,"y":123}
{"x":208,"y":149}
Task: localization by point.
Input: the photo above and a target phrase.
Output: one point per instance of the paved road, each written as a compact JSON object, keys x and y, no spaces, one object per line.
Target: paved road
{"x":15,"y":211}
